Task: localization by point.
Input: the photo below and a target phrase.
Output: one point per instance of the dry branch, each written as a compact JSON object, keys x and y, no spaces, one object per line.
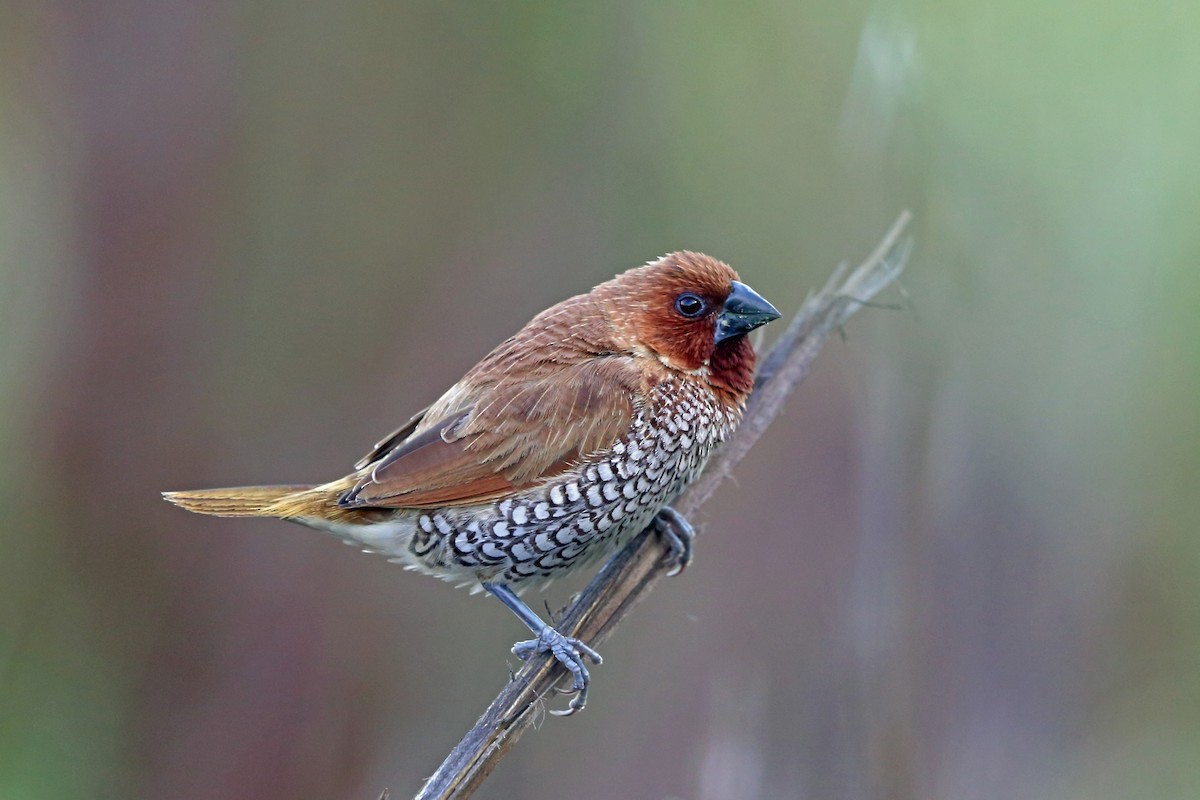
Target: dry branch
{"x":632,"y":572}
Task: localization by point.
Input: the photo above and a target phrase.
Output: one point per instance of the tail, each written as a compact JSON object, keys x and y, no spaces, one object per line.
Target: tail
{"x":241,"y":501}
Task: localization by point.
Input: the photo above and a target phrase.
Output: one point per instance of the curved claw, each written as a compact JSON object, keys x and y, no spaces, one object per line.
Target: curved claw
{"x":569,"y":652}
{"x":678,"y":534}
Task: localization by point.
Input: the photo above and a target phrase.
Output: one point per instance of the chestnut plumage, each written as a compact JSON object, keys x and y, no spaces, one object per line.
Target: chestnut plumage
{"x":564,"y":441}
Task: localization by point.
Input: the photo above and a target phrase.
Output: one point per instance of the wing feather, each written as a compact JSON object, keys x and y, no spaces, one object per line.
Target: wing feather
{"x":388,"y":443}
{"x":512,"y":433}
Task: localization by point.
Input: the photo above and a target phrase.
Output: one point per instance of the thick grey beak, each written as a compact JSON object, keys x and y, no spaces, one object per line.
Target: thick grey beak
{"x":744,"y":310}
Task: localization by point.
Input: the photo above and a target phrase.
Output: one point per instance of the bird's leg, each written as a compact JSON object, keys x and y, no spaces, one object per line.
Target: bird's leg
{"x":571,"y":653}
{"x":677,"y":533}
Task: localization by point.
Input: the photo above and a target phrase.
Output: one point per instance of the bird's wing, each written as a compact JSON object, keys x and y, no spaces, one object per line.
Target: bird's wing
{"x":514,"y":433}
{"x":391,"y":441}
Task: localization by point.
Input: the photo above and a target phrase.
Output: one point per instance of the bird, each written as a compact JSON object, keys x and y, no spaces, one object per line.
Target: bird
{"x":565,"y":441}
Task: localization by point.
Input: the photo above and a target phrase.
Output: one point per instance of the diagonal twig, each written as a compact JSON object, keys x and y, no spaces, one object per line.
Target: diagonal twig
{"x":631,"y":573}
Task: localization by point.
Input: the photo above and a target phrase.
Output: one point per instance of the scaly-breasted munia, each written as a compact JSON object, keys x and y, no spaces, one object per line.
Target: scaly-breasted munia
{"x":555,"y":449}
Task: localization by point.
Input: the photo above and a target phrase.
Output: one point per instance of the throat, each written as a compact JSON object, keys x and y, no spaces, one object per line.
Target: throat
{"x":732,"y":367}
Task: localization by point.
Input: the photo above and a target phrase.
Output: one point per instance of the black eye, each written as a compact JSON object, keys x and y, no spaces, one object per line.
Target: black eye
{"x":689,"y":305}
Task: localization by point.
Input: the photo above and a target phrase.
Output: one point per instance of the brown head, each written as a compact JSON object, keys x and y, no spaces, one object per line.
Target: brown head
{"x":690,"y":312}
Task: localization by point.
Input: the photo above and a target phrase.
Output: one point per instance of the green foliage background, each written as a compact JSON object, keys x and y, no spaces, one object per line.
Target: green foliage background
{"x":240,"y":241}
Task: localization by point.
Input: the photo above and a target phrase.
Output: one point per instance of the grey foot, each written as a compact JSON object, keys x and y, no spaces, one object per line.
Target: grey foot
{"x":572,"y":654}
{"x":677,"y":533}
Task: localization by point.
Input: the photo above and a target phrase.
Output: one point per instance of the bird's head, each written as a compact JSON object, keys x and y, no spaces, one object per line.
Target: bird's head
{"x":690,"y":312}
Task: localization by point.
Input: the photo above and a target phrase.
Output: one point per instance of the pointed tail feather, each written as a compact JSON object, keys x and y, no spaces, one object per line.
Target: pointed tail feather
{"x":239,"y":501}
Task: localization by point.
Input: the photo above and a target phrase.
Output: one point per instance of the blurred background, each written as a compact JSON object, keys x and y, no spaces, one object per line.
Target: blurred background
{"x":240,"y":241}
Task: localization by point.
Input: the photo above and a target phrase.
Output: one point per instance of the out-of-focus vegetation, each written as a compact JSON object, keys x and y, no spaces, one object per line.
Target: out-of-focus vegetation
{"x":239,"y":242}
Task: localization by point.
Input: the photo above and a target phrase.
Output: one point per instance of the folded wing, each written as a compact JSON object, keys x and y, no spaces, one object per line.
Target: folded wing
{"x":510,"y":434}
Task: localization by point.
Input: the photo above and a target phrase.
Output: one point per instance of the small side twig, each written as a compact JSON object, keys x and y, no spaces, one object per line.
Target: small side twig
{"x":631,"y":574}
